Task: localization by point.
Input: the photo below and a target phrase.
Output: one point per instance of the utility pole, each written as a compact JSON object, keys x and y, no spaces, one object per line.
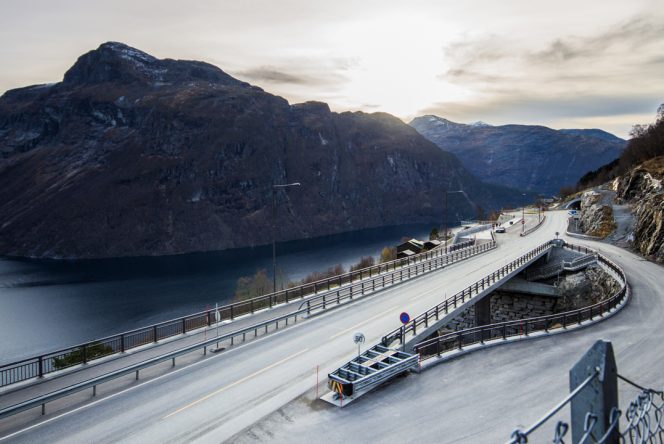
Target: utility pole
{"x":274,"y":230}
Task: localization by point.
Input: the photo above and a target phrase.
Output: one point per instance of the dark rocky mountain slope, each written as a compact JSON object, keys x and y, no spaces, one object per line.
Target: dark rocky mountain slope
{"x":131,"y":155}
{"x":532,"y":158}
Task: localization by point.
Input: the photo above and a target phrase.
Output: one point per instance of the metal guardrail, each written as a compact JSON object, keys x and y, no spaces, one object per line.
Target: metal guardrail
{"x":554,"y":269}
{"x":261,"y":328}
{"x":467,"y":293}
{"x":523,"y":327}
{"x":531,"y":229}
{"x":257,"y":329}
{"x":579,"y":235}
{"x":350,"y":292}
{"x":44,"y":364}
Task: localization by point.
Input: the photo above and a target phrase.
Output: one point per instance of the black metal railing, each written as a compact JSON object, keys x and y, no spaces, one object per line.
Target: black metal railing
{"x":531,"y":229}
{"x":461,"y":297}
{"x":352,"y":283}
{"x":240,"y":335}
{"x":353,"y":291}
{"x":523,"y":327}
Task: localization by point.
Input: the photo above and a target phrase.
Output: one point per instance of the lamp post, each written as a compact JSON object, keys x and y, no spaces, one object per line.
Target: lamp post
{"x":274,"y":229}
{"x":523,"y":216}
{"x":446,"y":193}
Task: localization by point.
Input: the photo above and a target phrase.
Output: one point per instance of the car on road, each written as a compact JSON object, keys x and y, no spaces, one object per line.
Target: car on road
{"x":500,"y":230}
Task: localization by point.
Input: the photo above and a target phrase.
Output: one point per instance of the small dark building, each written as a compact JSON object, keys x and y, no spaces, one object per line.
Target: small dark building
{"x":431,"y":244}
{"x":409,"y":248}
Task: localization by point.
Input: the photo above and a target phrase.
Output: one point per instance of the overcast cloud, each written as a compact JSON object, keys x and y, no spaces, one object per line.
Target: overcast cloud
{"x":561,"y":64}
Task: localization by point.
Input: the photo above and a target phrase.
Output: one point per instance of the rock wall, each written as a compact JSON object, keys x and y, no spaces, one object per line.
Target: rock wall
{"x":577,"y":290}
{"x":642,"y":187}
{"x":596,"y":217}
{"x":585,"y":288}
{"x":507,"y":306}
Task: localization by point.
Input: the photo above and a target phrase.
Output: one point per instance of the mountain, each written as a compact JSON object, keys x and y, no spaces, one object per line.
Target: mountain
{"x":132,"y":155}
{"x":593,"y":132}
{"x":532,"y":158}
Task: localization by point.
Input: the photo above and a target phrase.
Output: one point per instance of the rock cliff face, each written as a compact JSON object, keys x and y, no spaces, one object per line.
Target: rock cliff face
{"x":642,"y":187}
{"x":131,"y":155}
{"x":530,"y":158}
{"x":585,"y":288}
{"x":596,"y":216}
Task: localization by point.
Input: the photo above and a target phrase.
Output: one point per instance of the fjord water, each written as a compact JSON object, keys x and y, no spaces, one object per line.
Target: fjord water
{"x":46,"y":305}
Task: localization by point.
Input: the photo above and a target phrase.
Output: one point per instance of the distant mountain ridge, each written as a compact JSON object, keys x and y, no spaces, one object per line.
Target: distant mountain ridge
{"x":131,"y":155}
{"x":527,"y":157}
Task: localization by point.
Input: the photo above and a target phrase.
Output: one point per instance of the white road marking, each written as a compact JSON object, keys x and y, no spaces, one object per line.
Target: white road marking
{"x":239,"y":381}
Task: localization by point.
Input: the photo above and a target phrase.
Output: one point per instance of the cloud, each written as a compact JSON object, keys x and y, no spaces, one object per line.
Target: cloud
{"x":638,"y":33}
{"x":272,"y":75}
{"x":615,"y":71}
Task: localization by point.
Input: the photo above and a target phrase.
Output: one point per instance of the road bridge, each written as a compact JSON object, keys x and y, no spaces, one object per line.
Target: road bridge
{"x":211,"y":398}
{"x":501,"y":388}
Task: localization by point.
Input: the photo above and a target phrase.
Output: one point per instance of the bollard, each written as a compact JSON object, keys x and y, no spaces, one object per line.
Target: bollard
{"x":599,"y":397}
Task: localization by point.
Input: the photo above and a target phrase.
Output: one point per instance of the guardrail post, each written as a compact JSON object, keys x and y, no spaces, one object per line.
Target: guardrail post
{"x":232,"y":315}
{"x":41,"y":366}
{"x":85,"y":355}
{"x":599,"y":397}
{"x":122,"y":343}
{"x":154,"y":335}
{"x":252,"y":306}
{"x":184,"y":325}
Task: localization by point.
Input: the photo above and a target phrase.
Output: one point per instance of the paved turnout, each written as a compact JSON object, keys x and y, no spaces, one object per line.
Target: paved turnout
{"x":213,"y":399}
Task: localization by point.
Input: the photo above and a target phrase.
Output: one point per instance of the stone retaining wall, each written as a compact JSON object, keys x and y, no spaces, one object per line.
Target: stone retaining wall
{"x":577,"y":290}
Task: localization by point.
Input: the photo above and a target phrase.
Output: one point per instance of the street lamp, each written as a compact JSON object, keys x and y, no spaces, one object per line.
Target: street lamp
{"x":446,"y":193}
{"x":274,"y":229}
{"x":523,"y":215}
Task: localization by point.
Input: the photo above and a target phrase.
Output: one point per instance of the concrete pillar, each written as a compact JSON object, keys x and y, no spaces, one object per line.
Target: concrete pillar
{"x":483,"y":314}
{"x":483,"y":311}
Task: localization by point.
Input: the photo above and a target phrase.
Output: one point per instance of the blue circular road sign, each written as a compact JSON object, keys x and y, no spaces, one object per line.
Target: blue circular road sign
{"x":404,"y":318}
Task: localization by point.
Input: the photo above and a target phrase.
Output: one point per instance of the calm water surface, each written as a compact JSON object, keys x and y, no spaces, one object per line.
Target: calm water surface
{"x":46,"y":305}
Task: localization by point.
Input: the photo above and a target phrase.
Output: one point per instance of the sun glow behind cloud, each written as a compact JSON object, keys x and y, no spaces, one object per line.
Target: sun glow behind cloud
{"x":514,"y":61}
{"x":398,"y":61}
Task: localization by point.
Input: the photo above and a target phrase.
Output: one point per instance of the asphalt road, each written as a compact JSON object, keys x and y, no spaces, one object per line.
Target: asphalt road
{"x":482,"y":397}
{"x":214,"y":399}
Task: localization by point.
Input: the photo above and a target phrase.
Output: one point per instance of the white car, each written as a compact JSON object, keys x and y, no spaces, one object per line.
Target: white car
{"x":500,"y":230}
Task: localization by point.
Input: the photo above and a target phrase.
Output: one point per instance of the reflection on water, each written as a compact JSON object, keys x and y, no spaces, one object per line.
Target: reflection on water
{"x":46,"y":305}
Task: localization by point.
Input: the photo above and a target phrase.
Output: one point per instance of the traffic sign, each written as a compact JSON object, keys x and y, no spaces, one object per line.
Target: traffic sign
{"x":404,"y":318}
{"x":358,"y":338}
{"x":523,"y":221}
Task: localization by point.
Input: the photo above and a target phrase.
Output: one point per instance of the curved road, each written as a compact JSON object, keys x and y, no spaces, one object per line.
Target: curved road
{"x":482,"y":397}
{"x":477,"y":398}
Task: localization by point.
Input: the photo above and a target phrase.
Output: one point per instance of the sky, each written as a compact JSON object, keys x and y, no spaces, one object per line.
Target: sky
{"x":563,"y":64}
